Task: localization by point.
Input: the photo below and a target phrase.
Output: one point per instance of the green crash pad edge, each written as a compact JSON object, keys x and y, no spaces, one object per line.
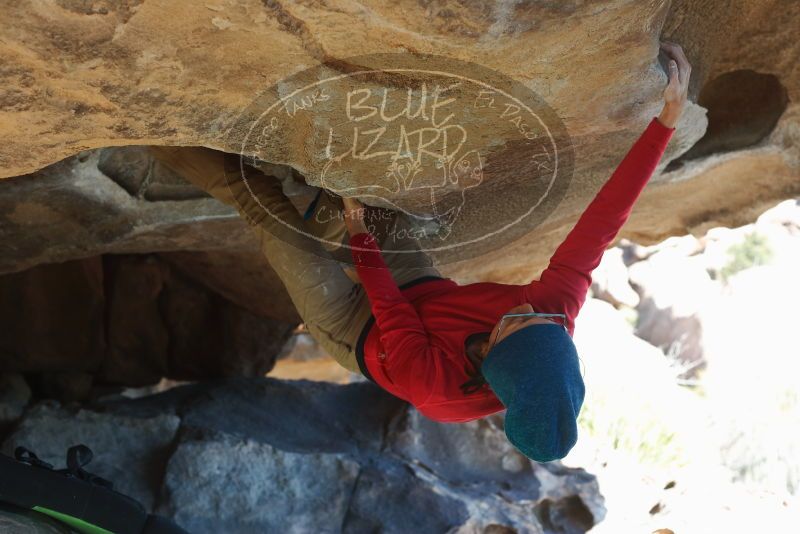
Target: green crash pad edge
{"x":78,"y":524}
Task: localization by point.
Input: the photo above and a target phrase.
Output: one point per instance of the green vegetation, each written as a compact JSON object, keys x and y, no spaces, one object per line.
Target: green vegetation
{"x":631,"y":315}
{"x":644,"y":433}
{"x":754,"y":250}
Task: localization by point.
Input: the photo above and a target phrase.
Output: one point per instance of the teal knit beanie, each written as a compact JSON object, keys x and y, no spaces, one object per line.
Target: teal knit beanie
{"x":536,"y":375}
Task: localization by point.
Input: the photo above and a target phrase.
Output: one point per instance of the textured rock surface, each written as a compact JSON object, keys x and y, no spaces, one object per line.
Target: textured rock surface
{"x":455,"y":451}
{"x":53,"y":311}
{"x":109,"y":201}
{"x":73,"y":210}
{"x":175,"y":73}
{"x":29,"y":522}
{"x":15,"y":394}
{"x":129,"y":320}
{"x":130,"y":452}
{"x":256,"y":455}
{"x":267,"y":489}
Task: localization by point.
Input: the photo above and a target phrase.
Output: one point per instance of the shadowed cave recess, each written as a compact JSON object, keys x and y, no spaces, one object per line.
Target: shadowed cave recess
{"x":743,"y":108}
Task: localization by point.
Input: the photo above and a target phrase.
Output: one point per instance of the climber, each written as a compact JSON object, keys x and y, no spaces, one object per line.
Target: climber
{"x":455,"y":352}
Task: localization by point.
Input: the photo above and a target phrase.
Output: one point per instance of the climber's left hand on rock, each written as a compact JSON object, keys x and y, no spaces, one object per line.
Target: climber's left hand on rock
{"x":676,"y":92}
{"x":354,"y":212}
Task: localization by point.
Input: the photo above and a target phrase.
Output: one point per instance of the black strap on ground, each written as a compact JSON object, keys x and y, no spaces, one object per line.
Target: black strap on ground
{"x":74,"y":496}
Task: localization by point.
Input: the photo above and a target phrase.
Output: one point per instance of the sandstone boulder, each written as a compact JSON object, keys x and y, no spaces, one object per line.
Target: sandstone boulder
{"x":137,"y":73}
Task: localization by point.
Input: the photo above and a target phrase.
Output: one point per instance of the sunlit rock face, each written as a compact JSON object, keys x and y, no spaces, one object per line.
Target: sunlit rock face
{"x":80,"y":76}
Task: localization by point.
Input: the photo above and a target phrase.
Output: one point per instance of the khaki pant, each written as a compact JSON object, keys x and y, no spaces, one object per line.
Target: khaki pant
{"x":332,"y":303}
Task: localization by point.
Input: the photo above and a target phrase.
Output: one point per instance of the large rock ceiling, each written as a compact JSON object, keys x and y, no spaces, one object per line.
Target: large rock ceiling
{"x":78,"y":76}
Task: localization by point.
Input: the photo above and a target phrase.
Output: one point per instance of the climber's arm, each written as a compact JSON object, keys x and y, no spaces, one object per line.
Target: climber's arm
{"x":395,"y":316}
{"x":411,"y":362}
{"x":568,"y":276}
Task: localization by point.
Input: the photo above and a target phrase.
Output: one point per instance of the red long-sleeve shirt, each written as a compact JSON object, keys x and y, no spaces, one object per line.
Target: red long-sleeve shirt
{"x":414,"y":345}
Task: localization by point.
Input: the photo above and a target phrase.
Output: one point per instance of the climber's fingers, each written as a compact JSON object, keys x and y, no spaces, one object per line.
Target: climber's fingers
{"x":674,"y":75}
{"x":679,"y":65}
{"x":352,"y":205}
{"x":354,"y":216}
